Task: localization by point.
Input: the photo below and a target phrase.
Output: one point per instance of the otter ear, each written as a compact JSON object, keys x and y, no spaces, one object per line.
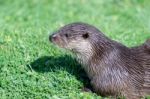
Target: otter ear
{"x":85,"y":35}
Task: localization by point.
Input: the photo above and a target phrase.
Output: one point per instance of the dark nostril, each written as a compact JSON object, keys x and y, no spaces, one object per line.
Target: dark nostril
{"x":53,"y":37}
{"x":50,"y":38}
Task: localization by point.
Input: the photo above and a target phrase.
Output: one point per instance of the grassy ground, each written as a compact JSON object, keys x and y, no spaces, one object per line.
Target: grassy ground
{"x":31,"y":67}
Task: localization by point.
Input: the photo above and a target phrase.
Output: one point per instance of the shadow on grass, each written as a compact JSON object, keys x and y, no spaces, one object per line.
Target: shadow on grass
{"x":67,"y":63}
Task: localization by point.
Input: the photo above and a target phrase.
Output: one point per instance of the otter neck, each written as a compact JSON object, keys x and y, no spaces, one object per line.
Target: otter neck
{"x":93,"y":60}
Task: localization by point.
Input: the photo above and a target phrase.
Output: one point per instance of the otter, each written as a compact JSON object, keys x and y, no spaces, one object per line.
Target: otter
{"x":113,"y":68}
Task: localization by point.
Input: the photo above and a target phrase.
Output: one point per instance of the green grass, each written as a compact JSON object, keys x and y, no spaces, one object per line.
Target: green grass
{"x":31,"y":67}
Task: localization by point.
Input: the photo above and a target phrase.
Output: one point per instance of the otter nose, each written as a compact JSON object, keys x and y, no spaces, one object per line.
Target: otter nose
{"x":53,"y":37}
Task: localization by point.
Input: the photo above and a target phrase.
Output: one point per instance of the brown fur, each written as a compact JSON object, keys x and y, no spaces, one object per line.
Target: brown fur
{"x":114,"y":69}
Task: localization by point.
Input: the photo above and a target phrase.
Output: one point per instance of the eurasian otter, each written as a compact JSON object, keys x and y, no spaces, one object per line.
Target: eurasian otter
{"x":114,"y":69}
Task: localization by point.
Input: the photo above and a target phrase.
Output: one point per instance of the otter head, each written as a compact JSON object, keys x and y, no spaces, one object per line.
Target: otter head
{"x":78,"y":38}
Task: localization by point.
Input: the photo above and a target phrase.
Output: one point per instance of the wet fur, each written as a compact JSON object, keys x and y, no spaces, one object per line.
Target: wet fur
{"x":114,"y":69}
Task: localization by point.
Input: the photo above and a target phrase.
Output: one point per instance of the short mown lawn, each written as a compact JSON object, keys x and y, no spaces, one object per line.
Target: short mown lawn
{"x":33,"y":68}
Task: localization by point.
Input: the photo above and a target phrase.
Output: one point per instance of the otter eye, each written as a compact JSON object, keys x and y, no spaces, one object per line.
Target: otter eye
{"x":86,"y":35}
{"x":66,"y":35}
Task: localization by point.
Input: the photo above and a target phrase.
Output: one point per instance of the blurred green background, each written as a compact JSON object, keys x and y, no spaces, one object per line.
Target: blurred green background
{"x":31,"y":67}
